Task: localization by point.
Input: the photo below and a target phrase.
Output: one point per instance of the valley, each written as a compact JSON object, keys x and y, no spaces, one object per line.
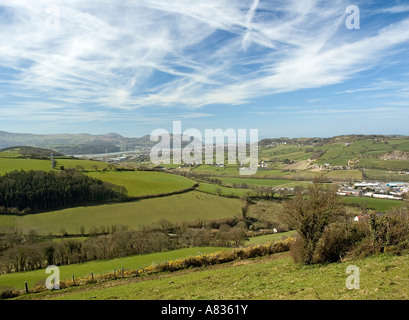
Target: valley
{"x":181,"y":205}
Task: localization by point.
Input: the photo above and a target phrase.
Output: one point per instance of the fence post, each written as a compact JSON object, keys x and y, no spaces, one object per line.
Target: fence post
{"x":92,"y":276}
{"x":26,"y":285}
{"x":122,"y":272}
{"x":73,"y":281}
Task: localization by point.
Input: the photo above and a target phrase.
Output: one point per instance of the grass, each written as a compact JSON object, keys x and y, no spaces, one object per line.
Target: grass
{"x":385,"y":175}
{"x":262,"y":182}
{"x":7,"y":223}
{"x":8,"y":164}
{"x":11,"y":164}
{"x":144,"y":182}
{"x":189,"y":206}
{"x":209,"y":169}
{"x":381,"y":205}
{"x":225,"y":191}
{"x":269,"y":237}
{"x":344,"y":174}
{"x":9,"y":154}
{"x":17,"y":279}
{"x":383,"y":164}
{"x":274,"y":277}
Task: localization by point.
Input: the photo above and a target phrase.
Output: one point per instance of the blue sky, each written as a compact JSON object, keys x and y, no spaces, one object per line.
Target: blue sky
{"x":286,"y":68}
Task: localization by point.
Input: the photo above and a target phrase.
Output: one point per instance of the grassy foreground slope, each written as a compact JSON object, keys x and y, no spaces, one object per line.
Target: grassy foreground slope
{"x":273,"y":277}
{"x":189,"y":206}
{"x":17,"y":279}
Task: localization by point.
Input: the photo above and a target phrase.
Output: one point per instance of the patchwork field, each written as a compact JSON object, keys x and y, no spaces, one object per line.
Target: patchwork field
{"x":17,"y":279}
{"x":11,"y":163}
{"x":275,"y":277}
{"x":224,"y":191}
{"x":262,"y":182}
{"x":385,"y":175}
{"x":189,"y":206}
{"x":140,"y":183}
{"x":380,"y":205}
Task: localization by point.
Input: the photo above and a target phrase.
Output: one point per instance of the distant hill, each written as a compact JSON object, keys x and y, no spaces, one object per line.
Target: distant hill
{"x":32,"y":152}
{"x":315,"y":141}
{"x":74,"y":143}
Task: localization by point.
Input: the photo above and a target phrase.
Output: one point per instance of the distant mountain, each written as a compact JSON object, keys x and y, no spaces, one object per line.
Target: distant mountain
{"x":322,"y":141}
{"x":32,"y":152}
{"x":83,"y":143}
{"x":74,"y":143}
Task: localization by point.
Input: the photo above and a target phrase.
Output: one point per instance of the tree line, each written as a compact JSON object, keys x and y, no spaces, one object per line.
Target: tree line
{"x":24,"y":252}
{"x":25,"y":192}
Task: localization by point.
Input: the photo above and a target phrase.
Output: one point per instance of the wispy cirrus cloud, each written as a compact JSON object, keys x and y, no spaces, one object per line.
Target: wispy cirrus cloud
{"x":97,"y":56}
{"x":395,"y":9}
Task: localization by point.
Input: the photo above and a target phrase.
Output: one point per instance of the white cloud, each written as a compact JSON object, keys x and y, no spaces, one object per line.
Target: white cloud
{"x":396,"y":9}
{"x":132,"y":54}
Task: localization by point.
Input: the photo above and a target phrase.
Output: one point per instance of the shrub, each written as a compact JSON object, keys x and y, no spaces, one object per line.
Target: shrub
{"x":310,"y":216}
{"x":297,"y":250}
{"x":364,"y":249}
{"x":8,"y":293}
{"x":388,"y":232}
{"x":337,"y":240}
{"x":398,"y":227}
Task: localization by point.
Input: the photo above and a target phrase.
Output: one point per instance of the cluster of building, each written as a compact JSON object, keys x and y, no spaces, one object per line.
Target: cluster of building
{"x":383,"y":190}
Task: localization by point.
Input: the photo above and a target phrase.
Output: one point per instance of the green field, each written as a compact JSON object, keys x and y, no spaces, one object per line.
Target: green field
{"x":189,"y":206}
{"x":384,"y":164}
{"x":281,"y":152}
{"x":209,"y":169}
{"x":224,"y":191}
{"x":381,"y":205}
{"x":17,"y":279}
{"x":9,"y":154}
{"x":275,"y":277}
{"x":385,"y":175}
{"x":343,"y":174}
{"x":262,"y":182}
{"x":8,"y":164}
{"x":11,"y":164}
{"x":7,"y":223}
{"x":140,"y":183}
{"x":270,"y":237}
{"x":337,"y":153}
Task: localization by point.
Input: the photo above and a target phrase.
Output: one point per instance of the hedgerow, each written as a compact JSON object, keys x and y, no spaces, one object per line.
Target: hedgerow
{"x":198,"y":261}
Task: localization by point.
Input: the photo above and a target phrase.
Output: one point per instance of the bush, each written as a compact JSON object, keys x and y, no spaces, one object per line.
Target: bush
{"x":398,"y":226}
{"x":310,"y":216}
{"x":297,"y":250}
{"x":387,"y":233}
{"x":8,"y":293}
{"x":338,"y":239}
{"x":365,"y":248}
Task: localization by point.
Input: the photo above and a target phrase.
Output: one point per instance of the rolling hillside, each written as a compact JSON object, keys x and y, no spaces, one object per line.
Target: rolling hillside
{"x":275,"y":277}
{"x":191,"y":206}
{"x":73,"y":143}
